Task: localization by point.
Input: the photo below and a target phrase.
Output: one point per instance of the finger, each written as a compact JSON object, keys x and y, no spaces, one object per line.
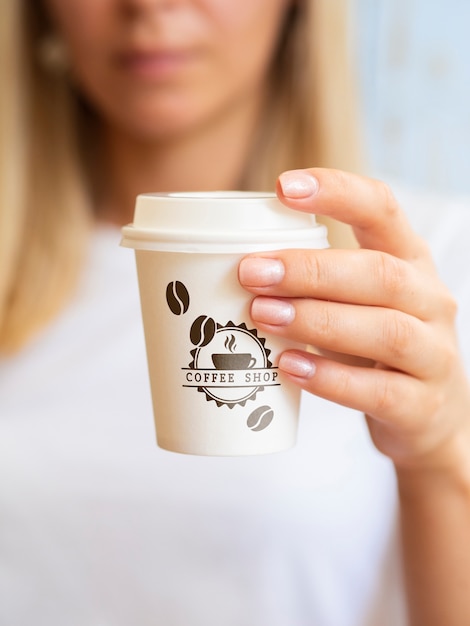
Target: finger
{"x":352,"y":276}
{"x":395,"y":339}
{"x":367,"y":205}
{"x":381,"y":394}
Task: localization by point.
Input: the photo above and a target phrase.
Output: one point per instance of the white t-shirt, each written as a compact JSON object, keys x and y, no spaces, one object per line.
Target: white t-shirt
{"x":99,"y":527}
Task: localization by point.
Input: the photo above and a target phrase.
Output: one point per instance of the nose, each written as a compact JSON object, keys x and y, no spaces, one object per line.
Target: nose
{"x":137,"y":7}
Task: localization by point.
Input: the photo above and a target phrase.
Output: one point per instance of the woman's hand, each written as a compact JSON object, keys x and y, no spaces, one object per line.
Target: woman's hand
{"x":382,"y":304}
{"x":384,"y":307}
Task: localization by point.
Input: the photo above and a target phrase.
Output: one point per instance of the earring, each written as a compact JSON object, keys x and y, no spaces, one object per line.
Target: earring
{"x":52,"y":55}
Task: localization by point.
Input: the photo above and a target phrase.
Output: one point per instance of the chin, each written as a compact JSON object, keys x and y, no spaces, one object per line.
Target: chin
{"x":154,"y":131}
{"x":157,"y":123}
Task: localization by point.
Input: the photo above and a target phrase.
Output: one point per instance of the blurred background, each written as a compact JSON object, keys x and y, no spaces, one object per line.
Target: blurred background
{"x":414,"y":59}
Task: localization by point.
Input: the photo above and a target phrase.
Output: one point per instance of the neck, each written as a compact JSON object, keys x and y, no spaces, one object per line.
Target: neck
{"x":211,"y":157}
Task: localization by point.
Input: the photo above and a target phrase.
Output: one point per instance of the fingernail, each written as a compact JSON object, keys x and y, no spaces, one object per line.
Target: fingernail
{"x":298,"y":184}
{"x":272,"y":311}
{"x":297,"y":365}
{"x":260,"y":272}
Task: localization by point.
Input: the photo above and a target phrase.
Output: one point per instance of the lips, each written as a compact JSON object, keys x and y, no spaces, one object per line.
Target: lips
{"x":153,"y":64}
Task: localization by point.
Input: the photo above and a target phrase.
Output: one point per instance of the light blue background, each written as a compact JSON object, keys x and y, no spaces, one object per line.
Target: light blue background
{"x":414,"y":66}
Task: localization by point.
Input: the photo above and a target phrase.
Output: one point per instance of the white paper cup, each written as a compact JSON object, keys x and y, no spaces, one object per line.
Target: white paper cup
{"x":215,"y":384}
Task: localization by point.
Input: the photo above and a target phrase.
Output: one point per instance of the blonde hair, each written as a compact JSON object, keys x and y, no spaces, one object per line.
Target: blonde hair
{"x":45,"y":208}
{"x":312,"y":116}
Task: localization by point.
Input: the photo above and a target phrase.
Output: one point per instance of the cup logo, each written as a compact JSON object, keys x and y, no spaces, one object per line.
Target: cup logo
{"x":230,"y":363}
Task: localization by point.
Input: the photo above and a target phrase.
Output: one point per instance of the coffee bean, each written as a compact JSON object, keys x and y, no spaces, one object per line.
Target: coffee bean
{"x":202,"y":331}
{"x":260,"y":418}
{"x":177,"y":297}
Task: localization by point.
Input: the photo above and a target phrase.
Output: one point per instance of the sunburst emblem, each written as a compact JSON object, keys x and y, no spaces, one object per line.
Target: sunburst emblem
{"x":230,"y":363}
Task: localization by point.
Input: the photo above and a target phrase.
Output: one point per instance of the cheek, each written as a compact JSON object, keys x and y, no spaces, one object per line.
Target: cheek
{"x":80,"y":20}
{"x":248,"y":32}
{"x":85,"y":26}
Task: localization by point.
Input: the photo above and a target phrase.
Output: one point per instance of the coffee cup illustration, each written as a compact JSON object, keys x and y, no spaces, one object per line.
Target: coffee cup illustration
{"x":233,"y":361}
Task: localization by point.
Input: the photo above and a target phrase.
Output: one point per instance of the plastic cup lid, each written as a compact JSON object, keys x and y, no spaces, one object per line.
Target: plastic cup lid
{"x":219,"y":221}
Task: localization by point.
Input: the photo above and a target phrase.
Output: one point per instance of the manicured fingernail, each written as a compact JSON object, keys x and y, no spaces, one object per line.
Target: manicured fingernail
{"x":297,"y":184}
{"x":272,"y":311}
{"x":297,"y":364}
{"x":260,"y":272}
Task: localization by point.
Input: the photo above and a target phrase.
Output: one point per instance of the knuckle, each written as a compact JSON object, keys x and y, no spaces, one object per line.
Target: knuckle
{"x":326,"y":324}
{"x":343,"y":385}
{"x":449,"y":306}
{"x":391,"y":273}
{"x":448,"y":357}
{"x":431,"y":402}
{"x":314,"y":272}
{"x":390,"y":204}
{"x":340,"y":181}
{"x":385,"y":398}
{"x":397,"y":335}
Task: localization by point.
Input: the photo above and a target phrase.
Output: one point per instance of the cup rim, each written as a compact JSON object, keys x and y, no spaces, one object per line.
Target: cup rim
{"x":211,"y":195}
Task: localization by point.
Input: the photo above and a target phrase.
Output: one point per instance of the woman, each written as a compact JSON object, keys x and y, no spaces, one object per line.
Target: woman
{"x":98,"y":527}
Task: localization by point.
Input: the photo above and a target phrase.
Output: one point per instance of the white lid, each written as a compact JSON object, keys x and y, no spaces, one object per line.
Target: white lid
{"x":221,"y":221}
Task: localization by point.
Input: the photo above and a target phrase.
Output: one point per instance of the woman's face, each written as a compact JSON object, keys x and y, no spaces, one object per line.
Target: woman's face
{"x":160,"y":67}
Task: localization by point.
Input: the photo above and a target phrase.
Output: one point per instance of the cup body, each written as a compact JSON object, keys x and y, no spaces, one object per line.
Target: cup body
{"x":216,"y":388}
